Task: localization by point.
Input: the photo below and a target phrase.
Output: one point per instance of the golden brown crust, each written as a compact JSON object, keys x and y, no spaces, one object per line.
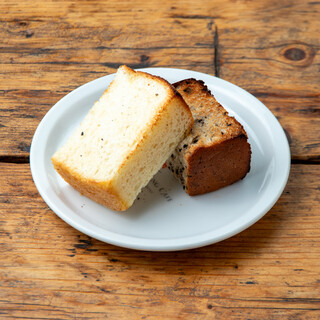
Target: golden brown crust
{"x":172,"y":94}
{"x":216,"y":153}
{"x":99,"y":192}
{"x":154,"y":123}
{"x":214,"y":167}
{"x":217,"y":123}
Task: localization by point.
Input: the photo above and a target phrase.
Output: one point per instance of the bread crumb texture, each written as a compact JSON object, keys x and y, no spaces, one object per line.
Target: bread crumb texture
{"x":124,"y":139}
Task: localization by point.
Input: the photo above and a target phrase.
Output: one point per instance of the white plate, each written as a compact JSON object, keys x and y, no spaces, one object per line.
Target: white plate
{"x":165,"y":218}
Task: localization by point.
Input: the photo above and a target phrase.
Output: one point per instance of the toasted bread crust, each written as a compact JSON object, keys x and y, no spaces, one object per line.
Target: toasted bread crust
{"x":203,"y":106}
{"x":216,"y":153}
{"x":100,"y":192}
{"x":214,"y":167}
{"x":172,"y":94}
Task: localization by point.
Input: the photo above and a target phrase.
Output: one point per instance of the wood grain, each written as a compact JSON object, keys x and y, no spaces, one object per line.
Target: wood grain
{"x":50,"y":51}
{"x":271,"y":49}
{"x":268,"y":48}
{"x":48,"y":270}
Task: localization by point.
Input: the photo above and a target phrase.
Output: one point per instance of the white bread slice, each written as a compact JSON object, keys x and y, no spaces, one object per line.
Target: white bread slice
{"x":124,"y":139}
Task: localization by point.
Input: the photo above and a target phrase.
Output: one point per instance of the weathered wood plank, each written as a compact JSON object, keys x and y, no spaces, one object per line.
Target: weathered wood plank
{"x":269,"y":58}
{"x":27,"y":96}
{"x":49,"y":49}
{"x":271,"y":49}
{"x":50,"y":270}
{"x":300,"y":118}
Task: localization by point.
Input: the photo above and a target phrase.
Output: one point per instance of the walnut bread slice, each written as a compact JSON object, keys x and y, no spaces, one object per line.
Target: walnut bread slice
{"x":216,"y":153}
{"x":124,"y":139}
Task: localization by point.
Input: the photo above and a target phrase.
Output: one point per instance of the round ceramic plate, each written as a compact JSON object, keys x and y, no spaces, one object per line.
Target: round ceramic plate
{"x":164,"y":217}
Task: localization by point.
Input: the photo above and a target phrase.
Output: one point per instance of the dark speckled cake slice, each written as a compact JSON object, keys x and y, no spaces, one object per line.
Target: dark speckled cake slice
{"x":216,"y":153}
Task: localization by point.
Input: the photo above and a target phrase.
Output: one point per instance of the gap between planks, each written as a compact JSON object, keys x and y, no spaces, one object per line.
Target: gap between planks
{"x":25,"y":159}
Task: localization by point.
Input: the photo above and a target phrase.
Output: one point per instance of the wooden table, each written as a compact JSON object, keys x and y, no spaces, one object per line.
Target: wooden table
{"x":48,"y":270}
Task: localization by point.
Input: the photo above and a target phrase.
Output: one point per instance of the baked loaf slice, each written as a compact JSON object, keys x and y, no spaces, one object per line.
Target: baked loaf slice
{"x":124,"y":139}
{"x":216,"y":153}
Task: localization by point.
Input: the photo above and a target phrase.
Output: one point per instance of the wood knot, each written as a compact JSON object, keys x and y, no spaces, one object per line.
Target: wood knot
{"x":29,"y":33}
{"x":20,"y":23}
{"x":295,"y":54}
{"x":298,"y":54}
{"x":24,"y":147}
{"x":144,"y":58}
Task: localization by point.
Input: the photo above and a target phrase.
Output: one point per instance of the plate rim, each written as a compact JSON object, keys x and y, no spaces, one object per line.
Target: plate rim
{"x":143,"y":243}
